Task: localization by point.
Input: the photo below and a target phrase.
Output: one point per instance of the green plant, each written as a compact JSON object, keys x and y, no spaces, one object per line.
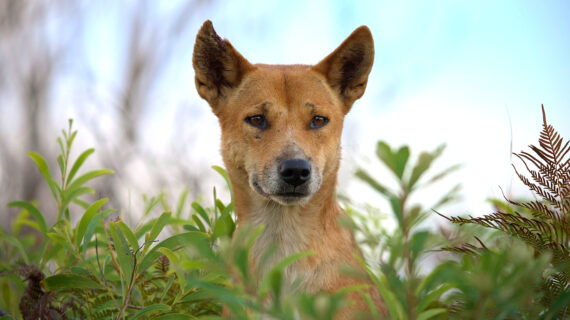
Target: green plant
{"x":543,"y":224}
{"x":407,"y":293}
{"x":102,"y":268}
{"x":178,"y":262}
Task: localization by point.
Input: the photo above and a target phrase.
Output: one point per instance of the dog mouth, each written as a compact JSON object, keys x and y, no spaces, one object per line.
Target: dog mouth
{"x":282,"y":197}
{"x":292,"y":194}
{"x":290,"y":198}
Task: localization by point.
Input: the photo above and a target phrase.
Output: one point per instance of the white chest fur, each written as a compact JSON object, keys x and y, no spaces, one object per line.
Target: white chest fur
{"x":286,"y":231}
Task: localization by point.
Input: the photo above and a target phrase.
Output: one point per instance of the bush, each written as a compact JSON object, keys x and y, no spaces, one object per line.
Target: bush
{"x":101,"y":268}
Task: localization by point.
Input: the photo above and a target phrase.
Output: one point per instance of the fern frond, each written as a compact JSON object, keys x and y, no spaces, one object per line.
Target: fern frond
{"x":545,"y":194}
{"x":551,"y":142}
{"x":545,"y":224}
{"x":553,"y":175}
{"x":537,"y":233}
{"x":538,"y":209}
{"x":542,"y":176}
{"x":162,"y":265}
{"x":463,"y":248}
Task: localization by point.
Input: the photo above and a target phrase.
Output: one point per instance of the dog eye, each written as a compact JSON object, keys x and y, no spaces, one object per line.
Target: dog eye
{"x":257,"y":121}
{"x":318,"y":122}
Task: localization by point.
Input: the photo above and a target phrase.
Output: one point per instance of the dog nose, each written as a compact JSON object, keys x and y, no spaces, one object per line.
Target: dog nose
{"x":295,"y":171}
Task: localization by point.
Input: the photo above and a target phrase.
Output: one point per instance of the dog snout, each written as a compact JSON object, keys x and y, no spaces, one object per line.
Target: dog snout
{"x":295,"y":172}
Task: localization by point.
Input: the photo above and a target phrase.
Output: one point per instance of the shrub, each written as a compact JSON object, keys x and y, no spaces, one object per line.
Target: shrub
{"x":101,"y":268}
{"x":182,"y":264}
{"x":537,"y":276}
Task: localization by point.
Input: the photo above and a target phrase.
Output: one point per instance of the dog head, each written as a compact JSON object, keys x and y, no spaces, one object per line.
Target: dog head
{"x":281,"y":124}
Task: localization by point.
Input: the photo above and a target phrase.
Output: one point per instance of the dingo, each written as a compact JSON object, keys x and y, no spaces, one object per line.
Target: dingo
{"x":281,"y":130}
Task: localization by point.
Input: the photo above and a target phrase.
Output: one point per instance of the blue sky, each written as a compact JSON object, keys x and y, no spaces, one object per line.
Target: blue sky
{"x":471,"y":74}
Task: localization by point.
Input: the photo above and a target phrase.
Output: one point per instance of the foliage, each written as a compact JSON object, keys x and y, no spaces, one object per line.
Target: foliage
{"x":543,"y":224}
{"x":408,"y":294}
{"x":181,"y":264}
{"x":101,"y":268}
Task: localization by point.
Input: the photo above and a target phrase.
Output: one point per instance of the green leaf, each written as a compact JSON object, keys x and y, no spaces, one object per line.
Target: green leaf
{"x":196,"y":239}
{"x":77,"y":164}
{"x":395,"y":308}
{"x":279,"y":267}
{"x":150,"y":204}
{"x":202,"y":212}
{"x":181,"y":203}
{"x":224,"y":227}
{"x":430,"y":313}
{"x":424,"y":163}
{"x":438,"y":276}
{"x":62,"y":241}
{"x":79,"y":270}
{"x":124,"y":253}
{"x":433,"y":295}
{"x":71,"y":137}
{"x":83,"y":204}
{"x":221,"y":293}
{"x":396,"y":161}
{"x":38,"y":216}
{"x":396,"y":205}
{"x":158,"y":225}
{"x":199,"y":223}
{"x":16,"y":243}
{"x":72,"y":195}
{"x":415,"y":216}
{"x":97,"y":221}
{"x":167,"y":286}
{"x":61,"y":165}
{"x":418,"y":242}
{"x":44,"y":170}
{"x":189,"y":227}
{"x":131,"y":239}
{"x":81,"y":180}
{"x":23,"y":220}
{"x":61,"y":147}
{"x":86,"y":219}
{"x":220,"y":205}
{"x":224,"y":175}
{"x":70,"y":281}
{"x":370,"y":304}
{"x":53,"y":251}
{"x":275,"y":283}
{"x":153,"y":307}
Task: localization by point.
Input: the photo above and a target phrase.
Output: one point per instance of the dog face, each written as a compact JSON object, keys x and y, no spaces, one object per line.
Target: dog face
{"x":290,"y":122}
{"x":281,"y":125}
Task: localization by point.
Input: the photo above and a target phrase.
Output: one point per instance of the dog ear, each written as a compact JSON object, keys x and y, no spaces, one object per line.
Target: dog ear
{"x":346,"y":69}
{"x":218,"y":66}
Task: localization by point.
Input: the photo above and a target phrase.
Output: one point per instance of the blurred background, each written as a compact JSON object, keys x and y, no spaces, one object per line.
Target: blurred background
{"x":470,"y":74}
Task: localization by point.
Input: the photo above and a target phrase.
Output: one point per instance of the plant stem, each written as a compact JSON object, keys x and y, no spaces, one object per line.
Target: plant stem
{"x":409,"y":265}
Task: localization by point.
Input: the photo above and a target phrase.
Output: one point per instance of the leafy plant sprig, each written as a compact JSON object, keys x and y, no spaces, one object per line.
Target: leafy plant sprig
{"x":407,"y":294}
